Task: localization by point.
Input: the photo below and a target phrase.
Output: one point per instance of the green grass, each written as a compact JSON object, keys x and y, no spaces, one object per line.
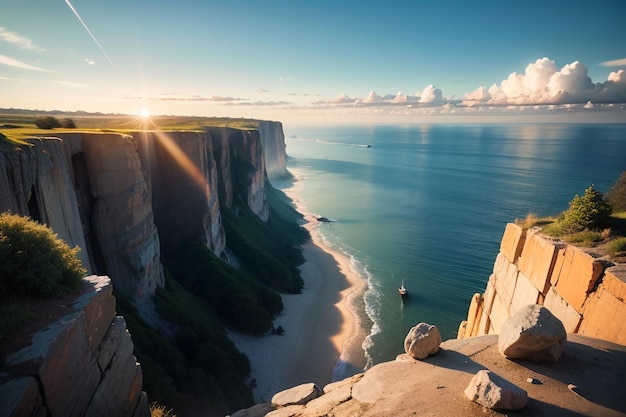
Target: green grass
{"x":617,"y":246}
{"x":18,"y":127}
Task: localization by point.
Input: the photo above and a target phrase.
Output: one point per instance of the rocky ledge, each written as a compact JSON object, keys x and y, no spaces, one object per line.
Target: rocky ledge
{"x":589,"y":379}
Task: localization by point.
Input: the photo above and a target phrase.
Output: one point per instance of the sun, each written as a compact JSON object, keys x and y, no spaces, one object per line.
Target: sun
{"x":145,"y":113}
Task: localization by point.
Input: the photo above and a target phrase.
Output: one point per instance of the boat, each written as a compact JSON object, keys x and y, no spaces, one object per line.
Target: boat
{"x":403,"y":292}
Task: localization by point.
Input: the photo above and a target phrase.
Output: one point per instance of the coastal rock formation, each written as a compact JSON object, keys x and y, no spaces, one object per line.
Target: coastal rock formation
{"x":81,"y":364}
{"x":491,"y":391}
{"x":585,"y":292}
{"x":240,"y":168}
{"x":274,"y":149}
{"x":433,"y":386}
{"x":183,"y":176}
{"x":532,"y":333}
{"x":36,"y":181}
{"x":422,"y":341}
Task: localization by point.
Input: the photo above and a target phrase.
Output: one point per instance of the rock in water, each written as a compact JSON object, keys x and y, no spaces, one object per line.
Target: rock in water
{"x":422,"y":341}
{"x":533,"y":333}
{"x":492,"y":391}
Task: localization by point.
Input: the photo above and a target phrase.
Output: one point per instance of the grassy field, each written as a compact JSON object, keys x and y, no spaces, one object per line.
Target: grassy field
{"x":21,"y":125}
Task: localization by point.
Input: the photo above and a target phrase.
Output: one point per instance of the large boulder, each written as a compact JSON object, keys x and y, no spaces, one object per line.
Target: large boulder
{"x":533,"y":333}
{"x":422,"y":341}
{"x":492,"y":391}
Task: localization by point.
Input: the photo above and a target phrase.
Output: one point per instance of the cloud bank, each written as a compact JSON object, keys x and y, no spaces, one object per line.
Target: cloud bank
{"x":542,"y":83}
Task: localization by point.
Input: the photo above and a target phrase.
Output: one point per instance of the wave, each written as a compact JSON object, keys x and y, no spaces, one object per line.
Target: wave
{"x":358,"y":145}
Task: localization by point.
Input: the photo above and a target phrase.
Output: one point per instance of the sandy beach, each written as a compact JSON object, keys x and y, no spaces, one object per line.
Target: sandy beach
{"x":319,"y":325}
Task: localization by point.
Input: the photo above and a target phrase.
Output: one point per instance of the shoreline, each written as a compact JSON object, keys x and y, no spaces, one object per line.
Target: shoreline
{"x":323,"y":334}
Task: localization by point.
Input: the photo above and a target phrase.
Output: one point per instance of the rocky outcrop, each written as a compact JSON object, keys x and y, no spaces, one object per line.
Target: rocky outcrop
{"x":584,"y":292}
{"x":81,"y":364}
{"x":422,"y":341}
{"x":274,"y":149}
{"x":436,"y":385}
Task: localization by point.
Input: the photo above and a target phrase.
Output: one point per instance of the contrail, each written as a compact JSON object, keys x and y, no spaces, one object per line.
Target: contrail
{"x":101,"y":48}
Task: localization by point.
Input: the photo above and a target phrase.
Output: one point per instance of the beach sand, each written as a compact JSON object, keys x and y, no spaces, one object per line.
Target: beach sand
{"x":319,"y":325}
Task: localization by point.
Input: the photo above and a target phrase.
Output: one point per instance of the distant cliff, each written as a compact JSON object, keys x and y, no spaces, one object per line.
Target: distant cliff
{"x":586,"y":292}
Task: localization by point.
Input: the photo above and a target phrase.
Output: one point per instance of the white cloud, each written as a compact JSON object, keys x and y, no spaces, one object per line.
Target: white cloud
{"x":589,"y":105}
{"x":18,"y":40}
{"x":431,"y":95}
{"x":342,"y":99}
{"x":614,"y":63}
{"x":88,"y":61}
{"x":543,"y":83}
{"x":5,"y":60}
{"x":372,"y":97}
{"x":399,"y":98}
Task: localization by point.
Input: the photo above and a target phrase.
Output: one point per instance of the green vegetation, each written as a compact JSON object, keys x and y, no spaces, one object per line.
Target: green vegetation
{"x":616,"y":196}
{"x":587,"y":212}
{"x":49,"y":122}
{"x":36,"y":264}
{"x":591,"y":219}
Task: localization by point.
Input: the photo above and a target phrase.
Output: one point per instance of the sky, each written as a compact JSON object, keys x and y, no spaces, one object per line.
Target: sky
{"x":318,"y":61}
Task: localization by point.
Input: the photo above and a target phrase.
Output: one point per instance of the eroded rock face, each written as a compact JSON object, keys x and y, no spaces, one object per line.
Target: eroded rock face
{"x":183,"y":177}
{"x":36,"y":181}
{"x":297,"y":395}
{"x":492,"y":391}
{"x":273,"y":142}
{"x":122,"y":214}
{"x":240,"y":167}
{"x":422,"y":341}
{"x":533,"y":333}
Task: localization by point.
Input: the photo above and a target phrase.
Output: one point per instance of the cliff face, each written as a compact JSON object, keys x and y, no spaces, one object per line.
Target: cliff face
{"x":585,"y":292}
{"x":81,"y":364}
{"x":122,"y":198}
{"x":240,"y":168}
{"x":37,"y":180}
{"x":274,"y":149}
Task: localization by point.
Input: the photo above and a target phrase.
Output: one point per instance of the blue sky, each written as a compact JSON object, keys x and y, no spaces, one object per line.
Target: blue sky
{"x":316,"y":61}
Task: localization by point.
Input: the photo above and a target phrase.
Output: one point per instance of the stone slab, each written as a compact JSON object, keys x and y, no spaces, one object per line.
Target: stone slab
{"x":603,"y":317}
{"x":512,"y":242}
{"x":524,"y":294}
{"x":538,"y":259}
{"x":562,"y":310}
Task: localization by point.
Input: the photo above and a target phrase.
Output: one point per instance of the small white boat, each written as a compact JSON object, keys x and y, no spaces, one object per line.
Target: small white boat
{"x":403,"y":292}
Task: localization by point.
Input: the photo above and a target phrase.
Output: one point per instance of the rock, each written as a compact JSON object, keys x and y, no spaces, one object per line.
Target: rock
{"x":297,"y":395}
{"x":533,"y":333}
{"x":491,"y":391}
{"x":422,"y":341}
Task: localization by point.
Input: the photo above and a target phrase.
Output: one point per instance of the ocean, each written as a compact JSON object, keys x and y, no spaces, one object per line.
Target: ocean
{"x":428,"y":204}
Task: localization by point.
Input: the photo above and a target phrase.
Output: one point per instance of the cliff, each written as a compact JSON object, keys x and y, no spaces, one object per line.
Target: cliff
{"x":585,"y":291}
{"x":124,"y":198}
{"x":80,"y":363}
{"x":274,"y":149}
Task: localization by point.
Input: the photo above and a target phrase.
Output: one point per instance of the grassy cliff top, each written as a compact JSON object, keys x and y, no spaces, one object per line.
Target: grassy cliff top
{"x":18,"y":125}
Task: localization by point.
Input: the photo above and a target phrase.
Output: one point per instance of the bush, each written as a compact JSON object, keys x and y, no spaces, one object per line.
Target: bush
{"x":587,"y":212}
{"x":35,"y":262}
{"x":47,"y":122}
{"x":616,"y":196}
{"x":616,"y":246}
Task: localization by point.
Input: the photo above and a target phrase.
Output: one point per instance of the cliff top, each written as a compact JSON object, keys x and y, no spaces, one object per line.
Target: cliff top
{"x":20,"y":124}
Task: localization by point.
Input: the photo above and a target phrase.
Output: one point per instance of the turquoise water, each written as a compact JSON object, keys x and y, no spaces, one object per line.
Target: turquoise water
{"x":429,"y":203}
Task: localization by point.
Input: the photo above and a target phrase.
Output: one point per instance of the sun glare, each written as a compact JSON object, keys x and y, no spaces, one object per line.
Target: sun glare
{"x":145,"y":113}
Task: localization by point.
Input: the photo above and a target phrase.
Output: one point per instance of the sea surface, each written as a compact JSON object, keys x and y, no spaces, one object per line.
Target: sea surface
{"x":428,"y":204}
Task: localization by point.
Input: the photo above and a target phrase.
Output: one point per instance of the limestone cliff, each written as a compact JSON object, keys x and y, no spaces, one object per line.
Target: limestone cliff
{"x":584,"y":291}
{"x":80,"y":364}
{"x":274,"y":149}
{"x":37,"y":180}
{"x":240,"y":168}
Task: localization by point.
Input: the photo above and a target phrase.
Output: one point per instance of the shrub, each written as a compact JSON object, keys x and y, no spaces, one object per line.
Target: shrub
{"x":47,"y":122}
{"x":586,"y":238}
{"x":586,"y":212}
{"x":35,"y":262}
{"x":617,"y":245}
{"x":616,"y":196}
